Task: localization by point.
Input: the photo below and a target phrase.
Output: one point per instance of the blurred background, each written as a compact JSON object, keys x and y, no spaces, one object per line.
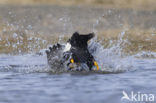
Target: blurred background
{"x":31,"y":25}
{"x":113,"y":3}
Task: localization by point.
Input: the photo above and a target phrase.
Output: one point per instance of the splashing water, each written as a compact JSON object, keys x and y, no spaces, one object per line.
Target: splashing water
{"x":109,"y":59}
{"x":23,"y":63}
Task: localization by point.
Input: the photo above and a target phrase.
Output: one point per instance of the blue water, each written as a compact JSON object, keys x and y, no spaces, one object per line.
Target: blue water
{"x":27,"y":79}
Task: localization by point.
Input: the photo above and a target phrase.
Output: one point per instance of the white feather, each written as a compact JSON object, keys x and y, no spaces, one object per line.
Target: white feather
{"x":67,"y":47}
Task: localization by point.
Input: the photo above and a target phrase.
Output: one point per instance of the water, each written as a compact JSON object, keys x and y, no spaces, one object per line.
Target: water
{"x":26,"y":78}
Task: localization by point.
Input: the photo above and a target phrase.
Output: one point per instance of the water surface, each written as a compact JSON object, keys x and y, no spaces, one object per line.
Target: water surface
{"x":27,"y":79}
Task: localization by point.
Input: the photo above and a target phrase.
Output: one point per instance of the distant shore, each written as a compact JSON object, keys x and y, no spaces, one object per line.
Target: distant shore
{"x":32,"y":28}
{"x":134,"y":4}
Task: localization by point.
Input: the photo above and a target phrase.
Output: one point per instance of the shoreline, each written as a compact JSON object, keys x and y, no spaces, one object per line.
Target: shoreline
{"x":51,"y":22}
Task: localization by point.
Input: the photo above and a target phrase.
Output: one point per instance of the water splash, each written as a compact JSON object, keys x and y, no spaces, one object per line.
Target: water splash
{"x":112,"y":59}
{"x":145,"y":55}
{"x":29,"y":63}
{"x":109,"y":59}
{"x":67,"y":24}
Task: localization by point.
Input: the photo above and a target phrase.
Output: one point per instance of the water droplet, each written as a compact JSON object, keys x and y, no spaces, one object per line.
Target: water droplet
{"x":10,"y":13}
{"x":29,"y":27}
{"x":15,"y":35}
{"x":61,"y":19}
{"x":4,"y":30}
